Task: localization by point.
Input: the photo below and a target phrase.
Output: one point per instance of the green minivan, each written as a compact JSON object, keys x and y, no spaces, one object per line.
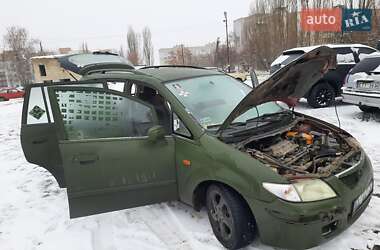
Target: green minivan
{"x":121,"y":138}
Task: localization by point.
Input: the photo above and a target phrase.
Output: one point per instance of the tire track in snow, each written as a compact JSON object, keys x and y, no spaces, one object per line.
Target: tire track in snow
{"x":164,"y":224}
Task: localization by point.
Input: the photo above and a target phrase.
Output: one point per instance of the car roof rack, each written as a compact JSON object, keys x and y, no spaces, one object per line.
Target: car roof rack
{"x":172,"y":66}
{"x":102,"y":68}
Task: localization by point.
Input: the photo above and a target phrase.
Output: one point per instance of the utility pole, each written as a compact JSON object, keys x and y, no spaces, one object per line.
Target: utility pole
{"x":228,"y":46}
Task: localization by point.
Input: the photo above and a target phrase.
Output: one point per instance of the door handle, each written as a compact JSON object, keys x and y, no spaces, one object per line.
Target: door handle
{"x":85,"y":159}
{"x":39,"y":141}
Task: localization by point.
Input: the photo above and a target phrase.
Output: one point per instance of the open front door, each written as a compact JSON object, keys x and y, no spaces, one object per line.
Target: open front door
{"x":108,"y":160}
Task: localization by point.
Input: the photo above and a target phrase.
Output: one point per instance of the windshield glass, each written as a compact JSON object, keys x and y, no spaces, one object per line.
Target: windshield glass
{"x":210,"y":99}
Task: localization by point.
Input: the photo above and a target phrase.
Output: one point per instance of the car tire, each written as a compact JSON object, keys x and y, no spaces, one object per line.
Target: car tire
{"x":230,"y":217}
{"x":2,"y":99}
{"x":367,"y":109}
{"x":321,"y":95}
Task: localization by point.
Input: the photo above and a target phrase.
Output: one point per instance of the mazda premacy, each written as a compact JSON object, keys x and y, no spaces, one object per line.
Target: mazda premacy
{"x":121,"y":138}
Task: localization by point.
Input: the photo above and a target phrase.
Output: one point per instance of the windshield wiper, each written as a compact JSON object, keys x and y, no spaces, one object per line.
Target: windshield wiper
{"x":269,"y":117}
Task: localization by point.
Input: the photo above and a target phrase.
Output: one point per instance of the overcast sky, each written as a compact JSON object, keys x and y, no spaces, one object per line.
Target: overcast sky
{"x":104,"y":23}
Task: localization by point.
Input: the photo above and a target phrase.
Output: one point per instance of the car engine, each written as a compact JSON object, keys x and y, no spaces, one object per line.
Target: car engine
{"x":306,"y":150}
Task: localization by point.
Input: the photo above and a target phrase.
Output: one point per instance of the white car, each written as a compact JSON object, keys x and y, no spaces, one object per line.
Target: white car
{"x":362,"y":85}
{"x":324,"y":91}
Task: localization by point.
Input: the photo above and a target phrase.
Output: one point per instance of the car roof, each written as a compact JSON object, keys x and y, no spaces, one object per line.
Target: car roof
{"x":309,"y":48}
{"x":167,"y":73}
{"x":162,"y":74}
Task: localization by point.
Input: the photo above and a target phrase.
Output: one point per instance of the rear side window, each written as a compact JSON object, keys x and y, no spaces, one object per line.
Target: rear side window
{"x":37,"y":112}
{"x":366,"y":50}
{"x":367,"y":65}
{"x":286,"y":58}
{"x":344,"y":55}
{"x":90,"y":114}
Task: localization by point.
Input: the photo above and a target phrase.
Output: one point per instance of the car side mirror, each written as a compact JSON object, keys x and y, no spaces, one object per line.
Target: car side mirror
{"x":156,"y":133}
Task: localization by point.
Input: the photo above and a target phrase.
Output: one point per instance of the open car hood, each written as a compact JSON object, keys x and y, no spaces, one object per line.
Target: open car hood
{"x":289,"y":83}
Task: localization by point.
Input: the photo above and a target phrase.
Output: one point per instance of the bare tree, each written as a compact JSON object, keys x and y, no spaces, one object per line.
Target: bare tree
{"x":273,"y":26}
{"x":121,"y":51}
{"x":22,"y":48}
{"x":84,"y":47}
{"x":180,"y":55}
{"x":133,"y":46}
{"x":148,"y":46}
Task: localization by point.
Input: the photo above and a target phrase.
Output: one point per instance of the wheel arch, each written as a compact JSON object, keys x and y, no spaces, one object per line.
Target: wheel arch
{"x":324,"y":80}
{"x":200,"y":193}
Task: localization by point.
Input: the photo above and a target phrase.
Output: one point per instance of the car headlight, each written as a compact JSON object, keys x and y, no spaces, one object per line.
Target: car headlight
{"x":302,"y":190}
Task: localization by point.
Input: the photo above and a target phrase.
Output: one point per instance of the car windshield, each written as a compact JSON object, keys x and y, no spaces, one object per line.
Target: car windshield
{"x":210,"y":99}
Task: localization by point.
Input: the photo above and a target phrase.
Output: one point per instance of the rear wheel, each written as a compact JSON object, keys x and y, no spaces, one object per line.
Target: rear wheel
{"x":368,"y":109}
{"x":321,"y":95}
{"x":2,"y":99}
{"x":231,"y":219}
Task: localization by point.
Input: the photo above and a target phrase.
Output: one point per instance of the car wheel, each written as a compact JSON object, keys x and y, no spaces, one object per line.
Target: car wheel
{"x":2,"y":99}
{"x":231,"y":219}
{"x":321,"y":95}
{"x":368,"y":109}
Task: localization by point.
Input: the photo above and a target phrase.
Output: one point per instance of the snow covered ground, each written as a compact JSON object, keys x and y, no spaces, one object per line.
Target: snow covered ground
{"x":34,"y":211}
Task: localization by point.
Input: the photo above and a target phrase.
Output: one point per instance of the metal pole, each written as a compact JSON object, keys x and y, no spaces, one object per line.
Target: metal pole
{"x":228,"y":47}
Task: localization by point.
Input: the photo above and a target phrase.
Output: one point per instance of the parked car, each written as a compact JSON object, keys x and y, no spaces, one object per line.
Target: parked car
{"x":7,"y":93}
{"x":206,"y":139}
{"x":324,"y":91}
{"x":362,"y":85}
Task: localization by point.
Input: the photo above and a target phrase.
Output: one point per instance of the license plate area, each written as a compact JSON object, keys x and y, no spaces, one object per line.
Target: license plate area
{"x":358,"y":202}
{"x":368,"y":85}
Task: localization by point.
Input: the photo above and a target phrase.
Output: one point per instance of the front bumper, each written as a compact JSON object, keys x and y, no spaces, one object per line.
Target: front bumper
{"x":361,"y":98}
{"x":305,"y":225}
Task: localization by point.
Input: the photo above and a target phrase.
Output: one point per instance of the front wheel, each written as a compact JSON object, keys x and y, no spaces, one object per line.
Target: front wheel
{"x":321,"y":95}
{"x":231,"y":219}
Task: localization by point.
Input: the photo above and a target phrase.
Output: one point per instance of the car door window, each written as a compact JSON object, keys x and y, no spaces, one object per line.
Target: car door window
{"x":363,"y":52}
{"x":180,"y":128}
{"x":91,"y":114}
{"x":345,"y":56}
{"x":117,"y":86}
{"x":37,"y":112}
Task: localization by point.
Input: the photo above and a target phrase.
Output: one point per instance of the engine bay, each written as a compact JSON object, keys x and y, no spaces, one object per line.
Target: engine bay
{"x":306,"y":150}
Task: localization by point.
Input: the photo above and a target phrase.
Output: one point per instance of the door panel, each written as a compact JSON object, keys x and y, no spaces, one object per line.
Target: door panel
{"x":40,"y":146}
{"x":38,"y":134}
{"x":109,"y":162}
{"x":111,"y":174}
